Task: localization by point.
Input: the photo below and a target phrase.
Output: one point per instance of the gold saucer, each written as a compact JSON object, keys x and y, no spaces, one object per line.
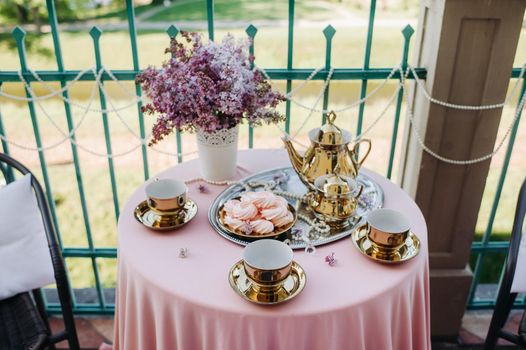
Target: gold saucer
{"x":409,"y":250}
{"x":146,"y":216}
{"x":292,"y":286}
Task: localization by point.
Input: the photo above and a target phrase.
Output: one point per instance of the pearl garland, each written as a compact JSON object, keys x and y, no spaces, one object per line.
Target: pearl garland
{"x":143,"y":141}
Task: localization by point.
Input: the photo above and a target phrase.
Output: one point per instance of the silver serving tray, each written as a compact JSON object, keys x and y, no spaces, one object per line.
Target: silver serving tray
{"x":286,"y":179}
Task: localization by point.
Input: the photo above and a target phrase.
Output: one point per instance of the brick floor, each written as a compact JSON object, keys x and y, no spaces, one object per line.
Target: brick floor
{"x":93,"y":331}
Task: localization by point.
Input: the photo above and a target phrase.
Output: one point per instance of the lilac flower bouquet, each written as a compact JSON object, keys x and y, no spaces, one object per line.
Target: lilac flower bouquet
{"x":208,"y":87}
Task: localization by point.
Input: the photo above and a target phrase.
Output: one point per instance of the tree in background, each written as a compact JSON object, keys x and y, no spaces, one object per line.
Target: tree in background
{"x":33,"y":11}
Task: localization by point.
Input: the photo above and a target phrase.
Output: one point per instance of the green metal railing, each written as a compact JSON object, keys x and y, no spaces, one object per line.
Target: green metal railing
{"x":485,"y":247}
{"x":287,"y":74}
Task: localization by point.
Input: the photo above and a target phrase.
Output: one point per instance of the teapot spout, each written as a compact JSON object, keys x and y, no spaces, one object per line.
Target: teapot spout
{"x":295,"y":158}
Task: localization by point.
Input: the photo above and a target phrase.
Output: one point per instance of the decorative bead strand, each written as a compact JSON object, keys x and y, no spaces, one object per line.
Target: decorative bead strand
{"x":212,"y":182}
{"x":420,"y":139}
{"x":403,"y":77}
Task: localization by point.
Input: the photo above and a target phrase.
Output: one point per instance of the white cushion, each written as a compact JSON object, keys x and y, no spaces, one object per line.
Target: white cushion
{"x":519,"y":279}
{"x":25,"y":262}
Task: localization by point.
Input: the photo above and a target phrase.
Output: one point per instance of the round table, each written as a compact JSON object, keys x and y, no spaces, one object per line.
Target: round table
{"x":166,"y":302}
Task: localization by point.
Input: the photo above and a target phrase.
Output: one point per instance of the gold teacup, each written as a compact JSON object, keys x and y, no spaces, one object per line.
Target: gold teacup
{"x":166,"y":196}
{"x":387,"y":229}
{"x":267,"y":264}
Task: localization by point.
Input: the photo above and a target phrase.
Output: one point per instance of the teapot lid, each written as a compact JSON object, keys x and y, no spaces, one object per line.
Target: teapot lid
{"x":330,"y":134}
{"x":334,"y":185}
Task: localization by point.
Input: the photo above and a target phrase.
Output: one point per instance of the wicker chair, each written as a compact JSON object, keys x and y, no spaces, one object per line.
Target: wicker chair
{"x":23,"y":320}
{"x":505,"y":298}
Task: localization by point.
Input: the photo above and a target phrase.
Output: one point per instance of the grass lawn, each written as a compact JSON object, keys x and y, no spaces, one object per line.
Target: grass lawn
{"x":244,"y":10}
{"x":270,"y":47}
{"x":256,"y":9}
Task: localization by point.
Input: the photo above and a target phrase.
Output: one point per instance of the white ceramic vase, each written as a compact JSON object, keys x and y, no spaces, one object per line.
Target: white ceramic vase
{"x":218,"y":153}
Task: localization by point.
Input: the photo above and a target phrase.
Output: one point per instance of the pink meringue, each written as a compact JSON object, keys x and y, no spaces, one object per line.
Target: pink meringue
{"x":274,"y":212}
{"x":233,"y":222}
{"x":284,"y":220}
{"x":245,"y":211}
{"x":263,"y":199}
{"x":247,"y":196}
{"x":262,"y":226}
{"x":230,"y":205}
{"x":278,"y":200}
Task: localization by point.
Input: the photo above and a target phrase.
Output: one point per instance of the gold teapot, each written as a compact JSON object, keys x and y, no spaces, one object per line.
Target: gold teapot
{"x":328,"y":150}
{"x":334,"y":200}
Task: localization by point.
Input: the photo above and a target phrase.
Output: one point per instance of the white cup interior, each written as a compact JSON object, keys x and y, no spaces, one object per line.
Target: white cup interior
{"x":267,"y":254}
{"x":165,"y":189}
{"x":388,"y":220}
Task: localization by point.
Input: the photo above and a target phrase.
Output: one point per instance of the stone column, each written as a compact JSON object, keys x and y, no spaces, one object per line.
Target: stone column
{"x":468,"y":47}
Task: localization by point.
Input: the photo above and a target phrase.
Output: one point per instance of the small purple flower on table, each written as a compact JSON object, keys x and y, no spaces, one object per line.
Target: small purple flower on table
{"x":202,"y":188}
{"x":297,"y":232}
{"x":279,"y":178}
{"x":330,"y":259}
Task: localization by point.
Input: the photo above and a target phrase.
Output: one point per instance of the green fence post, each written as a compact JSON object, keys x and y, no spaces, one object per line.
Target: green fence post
{"x":52,"y":17}
{"x":130,"y":11}
{"x":407,"y":32}
{"x":172,"y":32}
{"x":328,"y":32}
{"x":290,"y":49}
{"x":95,"y":34}
{"x":251,"y":32}
{"x":366,"y":60}
{"x":210,"y":18}
{"x":19,"y":34}
{"x":5,"y":147}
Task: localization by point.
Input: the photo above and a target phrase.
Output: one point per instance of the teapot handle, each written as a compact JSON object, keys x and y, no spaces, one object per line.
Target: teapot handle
{"x":355,"y":149}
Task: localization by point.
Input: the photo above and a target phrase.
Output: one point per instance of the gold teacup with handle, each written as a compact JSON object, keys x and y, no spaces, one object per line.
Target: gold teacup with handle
{"x":387,"y":229}
{"x":334,"y":199}
{"x":267,"y":264}
{"x":167,"y":197}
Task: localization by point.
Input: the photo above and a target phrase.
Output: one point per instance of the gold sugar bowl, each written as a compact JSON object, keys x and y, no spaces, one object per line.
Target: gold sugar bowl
{"x":329,"y":149}
{"x":334,"y":199}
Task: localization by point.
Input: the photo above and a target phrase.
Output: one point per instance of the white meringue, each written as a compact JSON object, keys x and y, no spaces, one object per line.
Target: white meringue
{"x":247,"y":196}
{"x":263,"y":199}
{"x":274,"y":212}
{"x":245,"y":211}
{"x":281,"y":201}
{"x":233,"y":222}
{"x":284,"y":220}
{"x":262,"y":226}
{"x":230,"y":205}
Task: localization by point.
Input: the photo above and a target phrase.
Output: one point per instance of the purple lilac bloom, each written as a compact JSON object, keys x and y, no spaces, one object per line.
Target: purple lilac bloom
{"x":202,"y":188}
{"x":330,"y":259}
{"x":208,"y":86}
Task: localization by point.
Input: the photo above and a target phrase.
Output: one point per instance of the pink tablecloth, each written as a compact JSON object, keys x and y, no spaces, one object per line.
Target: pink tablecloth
{"x":165,"y":302}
